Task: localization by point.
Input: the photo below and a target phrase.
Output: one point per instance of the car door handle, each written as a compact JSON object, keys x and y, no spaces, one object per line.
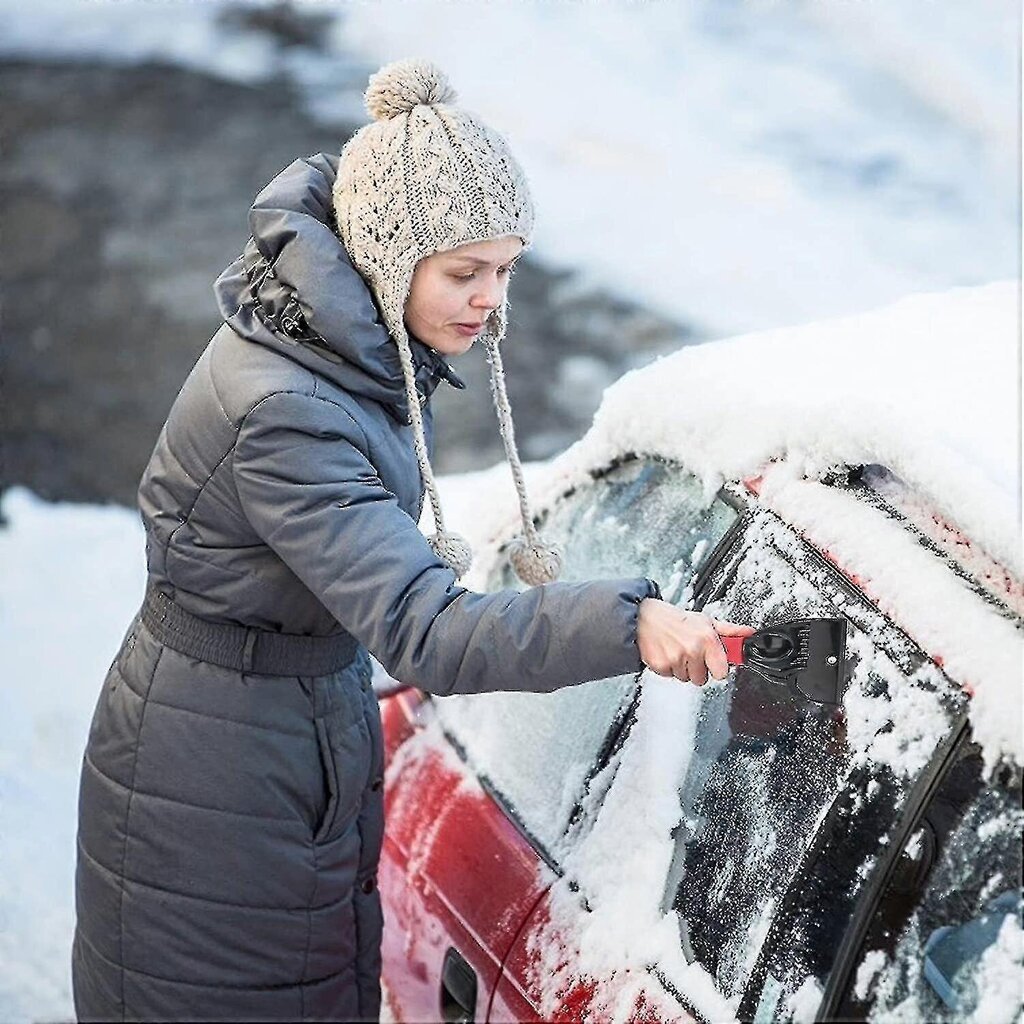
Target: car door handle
{"x":458,"y":989}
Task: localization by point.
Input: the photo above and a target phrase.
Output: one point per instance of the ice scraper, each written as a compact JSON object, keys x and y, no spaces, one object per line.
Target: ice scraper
{"x":807,"y":653}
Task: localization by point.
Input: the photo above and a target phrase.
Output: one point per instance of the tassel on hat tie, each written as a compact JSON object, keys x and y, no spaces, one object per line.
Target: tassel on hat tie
{"x":534,"y":560}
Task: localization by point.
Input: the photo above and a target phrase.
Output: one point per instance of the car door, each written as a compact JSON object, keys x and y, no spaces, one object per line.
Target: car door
{"x":456,"y":875}
{"x":642,"y":516}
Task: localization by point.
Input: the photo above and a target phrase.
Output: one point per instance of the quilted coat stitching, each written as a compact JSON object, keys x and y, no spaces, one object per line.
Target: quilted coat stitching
{"x":127,"y":827}
{"x":240,"y":988}
{"x":192,"y":897}
{"x":186,"y":803}
{"x":213,"y":472}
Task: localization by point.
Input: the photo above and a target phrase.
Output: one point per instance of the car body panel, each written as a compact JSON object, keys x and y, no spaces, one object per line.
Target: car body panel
{"x":843,"y":858}
{"x":454,"y":872}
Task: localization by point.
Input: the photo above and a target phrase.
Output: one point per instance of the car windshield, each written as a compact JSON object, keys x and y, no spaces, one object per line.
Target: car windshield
{"x":947,"y":943}
{"x":781,"y":788}
{"x":642,"y":518}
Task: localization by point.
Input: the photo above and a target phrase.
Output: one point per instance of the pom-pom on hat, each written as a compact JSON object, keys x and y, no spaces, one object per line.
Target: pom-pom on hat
{"x":426,"y":176}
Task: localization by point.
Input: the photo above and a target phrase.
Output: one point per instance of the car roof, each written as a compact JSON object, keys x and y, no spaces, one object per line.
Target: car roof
{"x":926,"y":387}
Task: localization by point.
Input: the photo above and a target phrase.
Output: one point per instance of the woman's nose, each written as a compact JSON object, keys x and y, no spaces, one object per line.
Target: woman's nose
{"x":489,"y":295}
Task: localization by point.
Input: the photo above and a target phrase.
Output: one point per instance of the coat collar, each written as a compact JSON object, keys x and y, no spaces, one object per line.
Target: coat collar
{"x":294,"y":289}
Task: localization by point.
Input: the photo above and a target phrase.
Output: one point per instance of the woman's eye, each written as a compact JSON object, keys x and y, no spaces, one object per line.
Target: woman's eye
{"x":509,"y":271}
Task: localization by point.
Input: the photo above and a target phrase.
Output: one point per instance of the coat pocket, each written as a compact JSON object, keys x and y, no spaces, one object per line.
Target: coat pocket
{"x":345,"y":758}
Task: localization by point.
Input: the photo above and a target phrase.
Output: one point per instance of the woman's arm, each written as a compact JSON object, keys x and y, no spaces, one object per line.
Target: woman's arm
{"x":311,"y":493}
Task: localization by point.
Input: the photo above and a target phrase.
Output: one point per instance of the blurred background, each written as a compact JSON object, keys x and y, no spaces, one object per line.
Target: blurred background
{"x":700,"y":168}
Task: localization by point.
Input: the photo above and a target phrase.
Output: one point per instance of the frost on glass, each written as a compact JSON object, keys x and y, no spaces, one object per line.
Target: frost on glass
{"x":768,"y":767}
{"x":644,"y":518}
{"x":959,"y":956}
{"x":764,"y":771}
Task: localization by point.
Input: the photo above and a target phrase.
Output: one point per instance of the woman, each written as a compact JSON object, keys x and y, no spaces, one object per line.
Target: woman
{"x":231,"y":805}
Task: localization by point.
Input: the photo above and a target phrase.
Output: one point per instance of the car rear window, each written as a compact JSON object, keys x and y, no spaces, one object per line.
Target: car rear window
{"x":642,"y":518}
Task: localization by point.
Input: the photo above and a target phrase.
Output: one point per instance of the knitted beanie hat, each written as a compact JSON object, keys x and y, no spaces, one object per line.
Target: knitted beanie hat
{"x":423,"y":177}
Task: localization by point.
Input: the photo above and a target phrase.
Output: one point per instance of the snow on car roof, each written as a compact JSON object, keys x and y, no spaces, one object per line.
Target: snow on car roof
{"x":926,"y":386}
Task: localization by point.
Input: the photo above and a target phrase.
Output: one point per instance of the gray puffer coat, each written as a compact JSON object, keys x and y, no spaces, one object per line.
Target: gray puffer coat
{"x":230,"y":821}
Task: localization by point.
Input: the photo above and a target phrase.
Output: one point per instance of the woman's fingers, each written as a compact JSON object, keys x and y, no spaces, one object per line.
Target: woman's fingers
{"x":724,"y":628}
{"x":716,"y":658}
{"x":698,"y":671}
{"x":686,"y":645}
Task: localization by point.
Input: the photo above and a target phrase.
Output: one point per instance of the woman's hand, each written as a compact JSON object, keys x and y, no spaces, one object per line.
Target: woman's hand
{"x":683,"y":644}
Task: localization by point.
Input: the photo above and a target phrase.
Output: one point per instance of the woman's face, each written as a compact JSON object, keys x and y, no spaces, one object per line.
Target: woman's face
{"x":453,"y":292}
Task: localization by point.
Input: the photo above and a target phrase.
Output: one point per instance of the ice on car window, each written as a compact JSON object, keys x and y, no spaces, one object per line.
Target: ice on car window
{"x":959,"y":955}
{"x":768,"y":768}
{"x":644,"y":518}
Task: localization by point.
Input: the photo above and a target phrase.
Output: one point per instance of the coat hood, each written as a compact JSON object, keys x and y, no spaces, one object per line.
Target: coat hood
{"x":294,"y":289}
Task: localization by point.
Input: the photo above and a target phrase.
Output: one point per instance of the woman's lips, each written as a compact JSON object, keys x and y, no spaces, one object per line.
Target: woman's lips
{"x":468,"y":330}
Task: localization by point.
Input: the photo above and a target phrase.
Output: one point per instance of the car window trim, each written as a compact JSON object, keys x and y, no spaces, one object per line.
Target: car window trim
{"x":894,"y":641}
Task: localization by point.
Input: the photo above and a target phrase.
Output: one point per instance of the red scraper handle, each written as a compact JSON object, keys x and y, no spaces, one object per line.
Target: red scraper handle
{"x":733,"y":648}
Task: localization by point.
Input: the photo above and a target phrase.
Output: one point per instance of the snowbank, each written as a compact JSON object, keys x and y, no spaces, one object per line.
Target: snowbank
{"x":73,"y":576}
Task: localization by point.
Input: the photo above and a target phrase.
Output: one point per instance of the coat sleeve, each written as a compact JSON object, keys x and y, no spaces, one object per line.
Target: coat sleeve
{"x":309,"y":490}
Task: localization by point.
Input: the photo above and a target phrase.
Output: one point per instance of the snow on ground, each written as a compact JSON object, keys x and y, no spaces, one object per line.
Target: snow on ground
{"x":73,"y":576}
{"x":736,"y":166}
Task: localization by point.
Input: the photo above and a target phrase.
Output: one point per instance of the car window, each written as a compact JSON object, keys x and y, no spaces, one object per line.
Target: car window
{"x":535,"y":751}
{"x":770,"y":768}
{"x":946,"y":941}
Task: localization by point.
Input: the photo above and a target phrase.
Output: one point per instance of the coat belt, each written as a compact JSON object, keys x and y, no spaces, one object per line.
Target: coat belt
{"x":244,"y":648}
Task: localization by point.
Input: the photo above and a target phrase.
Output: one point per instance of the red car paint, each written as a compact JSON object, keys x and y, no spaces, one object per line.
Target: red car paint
{"x":518,"y":996}
{"x":454,"y":873}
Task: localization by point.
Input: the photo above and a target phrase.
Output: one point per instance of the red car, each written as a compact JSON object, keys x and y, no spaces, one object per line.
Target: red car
{"x":641,"y":849}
